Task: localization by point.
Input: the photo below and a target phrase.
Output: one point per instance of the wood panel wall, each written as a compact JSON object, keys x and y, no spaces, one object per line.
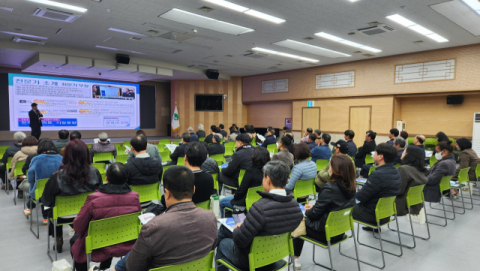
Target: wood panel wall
{"x":269,"y":114}
{"x":183,"y":96}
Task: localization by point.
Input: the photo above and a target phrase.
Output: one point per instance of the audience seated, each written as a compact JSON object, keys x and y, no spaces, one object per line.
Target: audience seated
{"x":112,"y":199}
{"x":210,"y":165}
{"x":241,"y":159}
{"x":322,"y":151}
{"x":201,"y":131}
{"x":270,"y":139}
{"x":10,"y":152}
{"x":233,"y":135}
{"x":275,"y":213}
{"x":292,"y":146}
{"x":412,"y":172}
{"x":222,"y":130}
{"x":323,"y":176}
{"x":399,"y":144}
{"x":442,"y":137}
{"x":307,"y":133}
{"x":385,"y":181}
{"x":182,"y":234}
{"x":217,"y":131}
{"x":216,"y":147}
{"x":404,"y":135}
{"x":337,"y":194}
{"x":29,"y":146}
{"x":193,"y":136}
{"x":268,"y":128}
{"x":312,"y":138}
{"x":103,"y":145}
{"x":75,"y":176}
{"x":209,"y":138}
{"x":180,"y":150}
{"x":352,"y":147}
{"x":305,"y":169}
{"x":26,"y":166}
{"x":467,"y":158}
{"x":283,"y":154}
{"x":45,"y":162}
{"x":445,"y":166}
{"x":368,"y":147}
{"x":253,"y":177}
{"x":418,"y":141}
{"x":392,"y":135}
{"x":75,"y":135}
{"x":152,"y":150}
{"x":62,"y":139}
{"x":318,"y":133}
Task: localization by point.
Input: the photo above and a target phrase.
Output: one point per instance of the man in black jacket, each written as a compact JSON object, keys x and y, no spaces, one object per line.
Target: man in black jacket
{"x":275,"y":213}
{"x":222,"y":131}
{"x":385,"y":181}
{"x":10,"y":152}
{"x":216,"y":147}
{"x":180,"y":150}
{"x":35,"y":121}
{"x":367,"y":148}
{"x":241,"y":159}
{"x":270,"y":138}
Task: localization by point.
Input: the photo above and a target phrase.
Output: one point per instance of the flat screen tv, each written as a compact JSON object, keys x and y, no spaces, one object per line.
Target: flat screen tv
{"x":208,"y":102}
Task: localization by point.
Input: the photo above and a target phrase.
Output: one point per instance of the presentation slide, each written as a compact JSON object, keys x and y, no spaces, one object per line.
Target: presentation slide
{"x":73,"y":104}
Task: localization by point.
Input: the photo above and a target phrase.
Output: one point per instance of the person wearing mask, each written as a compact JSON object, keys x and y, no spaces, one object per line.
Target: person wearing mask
{"x":18,"y":138}
{"x":35,"y":121}
{"x":115,"y":198}
{"x":467,"y":158}
{"x":412,"y":171}
{"x":399,"y":144}
{"x":368,"y":147}
{"x":62,"y":139}
{"x":193,"y":136}
{"x":270,"y":139}
{"x":352,"y":147}
{"x":445,"y":166}
{"x":201,"y":131}
{"x":210,"y":165}
{"x":180,"y":150}
{"x":322,"y":151}
{"x":312,"y":138}
{"x":393,"y":133}
{"x":75,"y":176}
{"x":103,"y":145}
{"x":337,"y":194}
{"x":233,"y":135}
{"x":29,"y":146}
{"x":404,"y":135}
{"x":307,"y":134}
{"x":253,"y":177}
{"x":283,"y":154}
{"x":305,"y":169}
{"x":216,"y":147}
{"x":323,"y":176}
{"x":222,"y":130}
{"x":152,"y":150}
{"x":241,"y":159}
{"x":42,"y":166}
{"x":182,"y":234}
{"x":208,"y":139}
{"x":268,"y":216}
{"x":385,"y":181}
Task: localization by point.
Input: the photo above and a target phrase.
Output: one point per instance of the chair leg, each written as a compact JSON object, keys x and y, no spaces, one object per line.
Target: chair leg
{"x":7,"y":183}
{"x":15,"y":191}
{"x":55,"y":238}
{"x":381,"y":248}
{"x":88,"y":260}
{"x":444,"y":212}
{"x":321,"y":265}
{"x":31,"y":219}
{"x":48,"y":240}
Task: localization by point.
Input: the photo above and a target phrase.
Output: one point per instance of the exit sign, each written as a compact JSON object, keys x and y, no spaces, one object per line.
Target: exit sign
{"x":310,"y":103}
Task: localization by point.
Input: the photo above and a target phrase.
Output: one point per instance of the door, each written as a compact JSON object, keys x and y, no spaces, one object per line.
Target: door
{"x":310,"y":119}
{"x":360,"y":122}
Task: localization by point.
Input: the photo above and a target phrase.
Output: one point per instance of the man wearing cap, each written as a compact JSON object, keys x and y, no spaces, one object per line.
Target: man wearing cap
{"x":341,"y":148}
{"x":35,"y":121}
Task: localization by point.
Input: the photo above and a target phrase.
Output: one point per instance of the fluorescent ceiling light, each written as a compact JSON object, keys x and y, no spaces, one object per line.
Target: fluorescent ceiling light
{"x":24,"y":35}
{"x":126,"y":32}
{"x":248,"y":11}
{"x":7,"y":9}
{"x":347,"y":42}
{"x":193,"y":19}
{"x":268,"y":51}
{"x":59,"y":5}
{"x":416,"y":27}
{"x":116,"y":49}
{"x":304,"y":47}
{"x":473,"y":4}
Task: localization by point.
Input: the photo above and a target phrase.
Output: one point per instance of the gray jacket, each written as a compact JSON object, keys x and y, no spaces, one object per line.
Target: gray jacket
{"x":411,"y":177}
{"x":284,"y":156}
{"x":442,"y":168}
{"x":210,"y":166}
{"x":103,"y":147}
{"x":152,"y":150}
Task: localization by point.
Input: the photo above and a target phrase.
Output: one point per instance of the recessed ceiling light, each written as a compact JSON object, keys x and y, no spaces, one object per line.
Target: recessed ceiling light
{"x":246,"y":10}
{"x":473,"y":4}
{"x":347,"y":42}
{"x":285,"y":54}
{"x":59,"y":5}
{"x":24,"y":35}
{"x":416,"y":27}
{"x":304,"y":47}
{"x":126,"y":32}
{"x":189,"y":18}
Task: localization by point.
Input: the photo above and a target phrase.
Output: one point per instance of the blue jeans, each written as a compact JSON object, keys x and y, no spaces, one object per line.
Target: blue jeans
{"x":225,"y":202}
{"x":226,"y":250}
{"x":121,"y":266}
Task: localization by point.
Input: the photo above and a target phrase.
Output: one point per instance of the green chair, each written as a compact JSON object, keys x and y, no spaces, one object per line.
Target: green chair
{"x":176,"y":143}
{"x":272,"y":147}
{"x":430,"y":143}
{"x":229,"y":150}
{"x":253,"y":143}
{"x":126,"y":143}
{"x":38,"y":194}
{"x":111,"y":231}
{"x":8,"y":167}
{"x":369,"y":159}
{"x":103,"y":156}
{"x":266,"y":250}
{"x":64,"y":206}
{"x":240,"y":178}
{"x":201,"y":139}
{"x":147,"y":192}
{"x":253,"y":196}
{"x":397,"y":165}
{"x":17,"y":172}
{"x":204,"y":205}
{"x":161,"y":147}
{"x":338,"y":222}
{"x":89,"y":146}
{"x":230,"y":144}
{"x":463,"y":180}
{"x":215,"y":181}
{"x":165,"y":156}
{"x":104,"y":177}
{"x":444,"y":185}
{"x":4,"y":148}
{"x":121,"y":150}
{"x":100,"y":167}
{"x":304,"y":188}
{"x":165,"y":169}
{"x":122,"y":158}
{"x":410,"y":140}
{"x":180,"y":161}
{"x":433,"y":160}
{"x":452,"y":139}
{"x":202,"y":264}
{"x":220,"y":158}
{"x":321,"y":163}
{"x":117,"y":145}
{"x":164,"y":141}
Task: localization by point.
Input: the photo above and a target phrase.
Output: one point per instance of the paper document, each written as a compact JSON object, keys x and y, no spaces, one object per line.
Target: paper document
{"x":428,"y":154}
{"x":229,"y":223}
{"x":261,"y":137}
{"x":145,"y":218}
{"x":171,"y":147}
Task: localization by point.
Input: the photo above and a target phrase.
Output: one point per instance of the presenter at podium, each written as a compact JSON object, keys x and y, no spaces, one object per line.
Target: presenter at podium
{"x":35,"y":121}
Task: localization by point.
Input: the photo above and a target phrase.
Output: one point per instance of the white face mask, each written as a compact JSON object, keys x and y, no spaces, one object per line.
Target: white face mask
{"x":438,"y":155}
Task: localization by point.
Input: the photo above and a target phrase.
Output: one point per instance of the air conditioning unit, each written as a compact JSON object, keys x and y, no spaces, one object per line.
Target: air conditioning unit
{"x":29,"y":41}
{"x":56,"y":15}
{"x":476,"y":133}
{"x":401,"y":125}
{"x":376,"y":29}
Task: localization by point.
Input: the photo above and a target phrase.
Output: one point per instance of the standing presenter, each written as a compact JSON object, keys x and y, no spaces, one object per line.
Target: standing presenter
{"x":35,"y":121}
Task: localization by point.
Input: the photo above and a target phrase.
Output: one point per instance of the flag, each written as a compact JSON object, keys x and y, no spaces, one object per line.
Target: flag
{"x":175,"y":121}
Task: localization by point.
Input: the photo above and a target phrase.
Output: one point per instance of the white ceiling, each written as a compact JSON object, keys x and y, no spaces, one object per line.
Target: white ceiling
{"x":215,"y":50}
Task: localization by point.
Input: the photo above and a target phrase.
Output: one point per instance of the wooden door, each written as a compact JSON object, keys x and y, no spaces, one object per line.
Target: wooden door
{"x":360,"y":122}
{"x":310,"y":119}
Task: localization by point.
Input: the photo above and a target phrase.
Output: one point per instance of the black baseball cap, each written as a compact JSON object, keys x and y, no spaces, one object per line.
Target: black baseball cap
{"x":341,"y":145}
{"x":34,"y":104}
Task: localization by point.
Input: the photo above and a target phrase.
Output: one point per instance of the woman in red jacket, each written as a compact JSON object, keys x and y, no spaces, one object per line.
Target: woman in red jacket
{"x":114,"y":198}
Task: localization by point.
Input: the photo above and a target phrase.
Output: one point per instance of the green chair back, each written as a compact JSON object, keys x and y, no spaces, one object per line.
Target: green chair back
{"x":477,"y":171}
{"x":410,"y":140}
{"x":201,"y":139}
{"x":89,"y":146}
{"x":3,"y":148}
{"x":165,"y":156}
{"x":181,"y":161}
{"x":126,"y":143}
{"x":397,"y":165}
{"x":122,"y":158}
{"x":165,"y":169}
{"x":369,"y":159}
{"x":321,"y":164}
{"x":40,"y":187}
{"x":266,"y":250}
{"x":230,"y":144}
{"x":215,"y":180}
{"x":271,"y":147}
{"x":161,"y":147}
{"x":100,"y":167}
{"x":452,"y":139}
{"x":433,"y":160}
{"x":462,"y":175}
{"x":202,"y":264}
{"x":253,"y":196}
{"x":18,"y":168}
{"x":430,"y":141}
{"x":385,"y":208}
{"x":304,"y":188}
{"x":164,"y":141}
{"x":9,"y":163}
{"x":204,"y":205}
{"x":147,"y":192}
{"x":229,"y":150}
{"x":69,"y":205}
{"x":339,"y":222}
{"x":445,"y":183}
{"x":415,"y":195}
{"x":176,"y":143}
{"x":104,"y":177}
{"x":220,"y":158}
{"x":103,"y":156}
{"x":121,"y":150}
{"x":372,"y":169}
{"x":240,"y":176}
{"x":111,"y":231}
{"x":117,"y":145}
{"x":253,"y":143}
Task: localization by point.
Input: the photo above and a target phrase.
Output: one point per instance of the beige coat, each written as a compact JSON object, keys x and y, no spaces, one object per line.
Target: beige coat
{"x":21,"y":155}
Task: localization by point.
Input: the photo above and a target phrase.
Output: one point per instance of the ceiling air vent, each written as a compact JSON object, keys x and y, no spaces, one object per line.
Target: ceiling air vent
{"x":206,"y":9}
{"x":135,"y":38}
{"x":418,"y":41}
{"x":29,"y":41}
{"x":308,"y":38}
{"x":376,"y":29}
{"x":255,"y":55}
{"x":55,"y":15}
{"x":368,"y":55}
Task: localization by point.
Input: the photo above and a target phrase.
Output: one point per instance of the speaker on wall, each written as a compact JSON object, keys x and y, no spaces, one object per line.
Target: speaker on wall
{"x":122,"y":59}
{"x":455,"y":99}
{"x":212,"y":74}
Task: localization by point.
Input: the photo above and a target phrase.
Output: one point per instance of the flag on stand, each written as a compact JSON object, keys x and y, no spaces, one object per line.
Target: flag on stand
{"x":175,"y":121}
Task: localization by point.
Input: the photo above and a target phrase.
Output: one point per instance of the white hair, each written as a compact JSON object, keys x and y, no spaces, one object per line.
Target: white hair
{"x":190,"y":129}
{"x":200,"y":127}
{"x":103,"y":136}
{"x":19,"y":136}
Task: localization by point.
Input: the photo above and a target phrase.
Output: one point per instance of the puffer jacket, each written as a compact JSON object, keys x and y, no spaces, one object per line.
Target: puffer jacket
{"x":42,"y":167}
{"x":304,"y":170}
{"x":442,"y":168}
{"x":210,"y":166}
{"x":385,"y":181}
{"x":10,"y":152}
{"x":333,"y":196}
{"x":468,"y":158}
{"x":271,"y":215}
{"x":241,"y":159}
{"x":21,"y":156}
{"x":146,"y":170}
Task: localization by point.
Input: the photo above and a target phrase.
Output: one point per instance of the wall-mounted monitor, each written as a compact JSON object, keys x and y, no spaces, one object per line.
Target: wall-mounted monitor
{"x":208,"y":102}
